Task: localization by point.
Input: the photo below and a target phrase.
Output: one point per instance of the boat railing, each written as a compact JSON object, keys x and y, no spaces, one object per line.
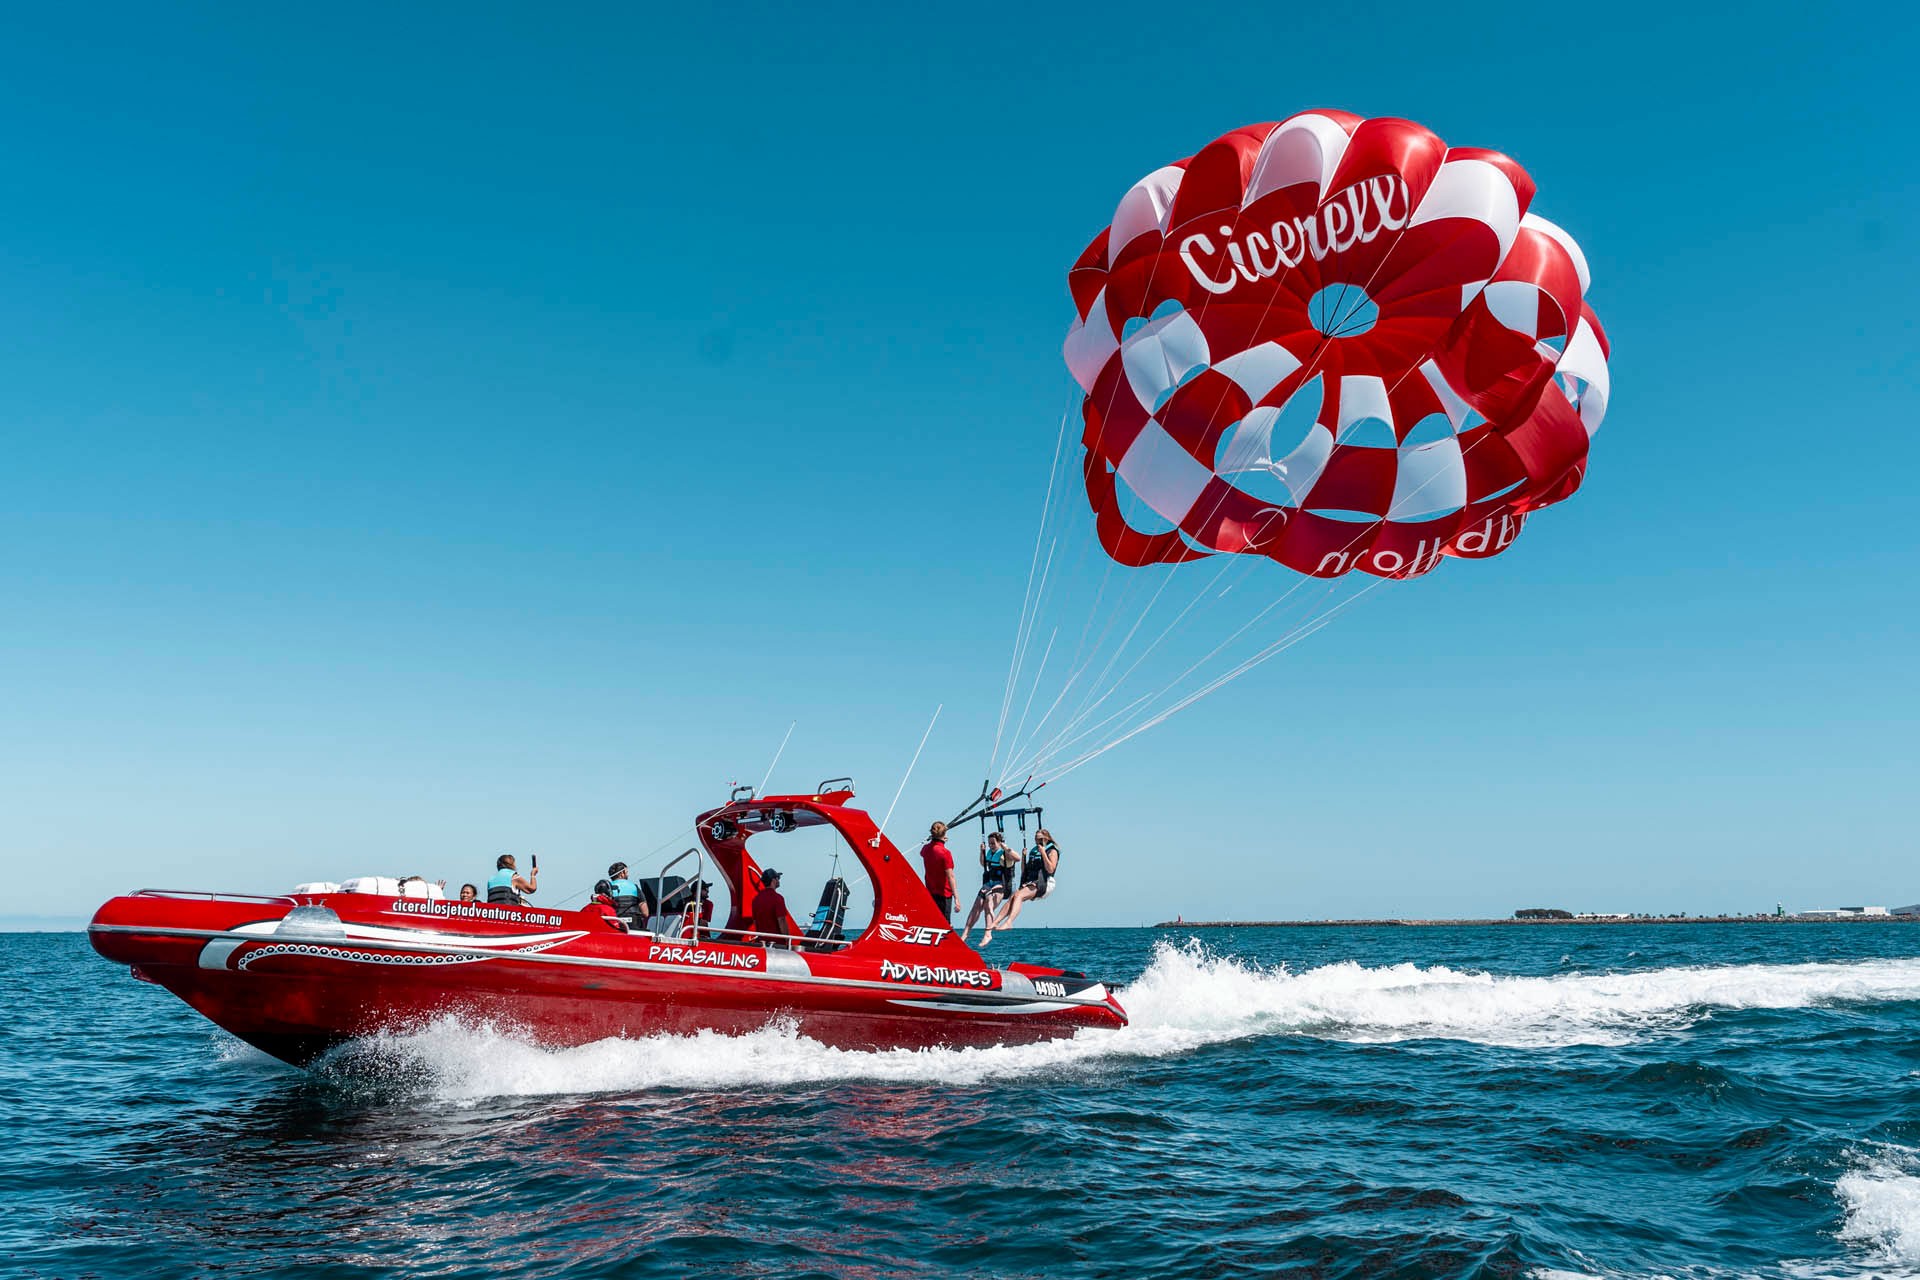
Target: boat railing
{"x":694,"y":900}
{"x":213,"y":895}
{"x":673,"y":923}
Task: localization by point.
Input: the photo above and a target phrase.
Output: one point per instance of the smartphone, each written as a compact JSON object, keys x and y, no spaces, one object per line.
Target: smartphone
{"x":536,"y":864}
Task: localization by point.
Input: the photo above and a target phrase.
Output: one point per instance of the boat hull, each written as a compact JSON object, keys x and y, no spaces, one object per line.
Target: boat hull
{"x":297,"y":976}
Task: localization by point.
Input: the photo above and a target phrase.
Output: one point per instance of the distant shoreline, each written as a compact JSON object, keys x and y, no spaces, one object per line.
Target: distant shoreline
{"x":1591,"y":920}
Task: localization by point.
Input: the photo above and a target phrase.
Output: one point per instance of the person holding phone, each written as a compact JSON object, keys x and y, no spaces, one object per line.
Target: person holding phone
{"x":507,"y":887}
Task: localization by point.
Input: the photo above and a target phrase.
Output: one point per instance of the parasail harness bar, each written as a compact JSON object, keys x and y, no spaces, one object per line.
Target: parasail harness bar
{"x":993,"y":803}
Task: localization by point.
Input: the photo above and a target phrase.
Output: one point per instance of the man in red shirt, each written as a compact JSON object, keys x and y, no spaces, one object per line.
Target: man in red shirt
{"x":939,"y":862}
{"x":770,"y":911}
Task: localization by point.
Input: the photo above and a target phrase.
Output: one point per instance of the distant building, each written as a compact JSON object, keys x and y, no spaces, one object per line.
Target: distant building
{"x":1848,"y":913}
{"x":1913,"y":910}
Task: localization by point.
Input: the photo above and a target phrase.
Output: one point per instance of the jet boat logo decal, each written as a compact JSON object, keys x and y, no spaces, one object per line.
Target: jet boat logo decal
{"x":935,"y":973}
{"x":914,"y":935}
{"x":705,"y":956}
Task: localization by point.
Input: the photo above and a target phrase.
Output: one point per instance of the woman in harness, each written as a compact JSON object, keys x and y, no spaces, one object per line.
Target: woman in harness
{"x":996,"y":881}
{"x":1037,"y":869}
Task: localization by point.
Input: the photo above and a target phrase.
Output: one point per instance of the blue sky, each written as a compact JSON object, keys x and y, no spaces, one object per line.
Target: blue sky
{"x":435,"y":432}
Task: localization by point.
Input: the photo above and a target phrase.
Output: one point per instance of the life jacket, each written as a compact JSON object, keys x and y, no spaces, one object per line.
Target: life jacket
{"x":626,"y":897}
{"x":1034,"y":869}
{"x":500,"y":889}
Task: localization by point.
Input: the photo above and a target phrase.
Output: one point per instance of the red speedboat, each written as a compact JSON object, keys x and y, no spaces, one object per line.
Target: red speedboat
{"x":297,"y":974}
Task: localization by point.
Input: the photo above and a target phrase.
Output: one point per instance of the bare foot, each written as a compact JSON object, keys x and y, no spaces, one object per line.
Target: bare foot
{"x":985,"y":938}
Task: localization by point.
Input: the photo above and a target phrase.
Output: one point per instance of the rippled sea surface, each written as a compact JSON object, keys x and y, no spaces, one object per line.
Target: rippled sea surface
{"x":1712,"y":1100}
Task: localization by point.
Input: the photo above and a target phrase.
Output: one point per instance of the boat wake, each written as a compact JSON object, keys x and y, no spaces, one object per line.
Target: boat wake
{"x":1188,"y":990}
{"x":1187,"y":998}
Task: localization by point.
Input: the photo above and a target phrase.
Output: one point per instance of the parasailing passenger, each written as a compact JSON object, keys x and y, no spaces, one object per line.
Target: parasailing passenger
{"x":996,"y":881}
{"x":1037,"y":869}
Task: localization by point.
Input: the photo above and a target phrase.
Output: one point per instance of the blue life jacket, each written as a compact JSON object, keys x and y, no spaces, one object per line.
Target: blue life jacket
{"x":500,"y":888}
{"x":626,"y":896}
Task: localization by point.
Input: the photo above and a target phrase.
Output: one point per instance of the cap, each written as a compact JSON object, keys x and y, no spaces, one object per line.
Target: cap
{"x":769,"y":876}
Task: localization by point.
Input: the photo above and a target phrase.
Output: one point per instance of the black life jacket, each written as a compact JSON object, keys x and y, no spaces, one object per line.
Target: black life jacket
{"x":1034,"y":870}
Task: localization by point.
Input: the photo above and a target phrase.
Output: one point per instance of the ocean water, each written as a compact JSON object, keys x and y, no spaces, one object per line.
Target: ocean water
{"x":1547,"y":1102}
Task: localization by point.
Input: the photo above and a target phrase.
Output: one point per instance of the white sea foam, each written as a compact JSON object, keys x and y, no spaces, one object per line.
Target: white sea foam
{"x":1881,"y":1194}
{"x":1185,"y":988}
{"x":1187,"y":998}
{"x":226,"y":1049}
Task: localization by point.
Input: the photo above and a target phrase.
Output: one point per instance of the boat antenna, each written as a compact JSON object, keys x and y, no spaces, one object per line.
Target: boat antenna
{"x":916,"y":760}
{"x":762,"y":788}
